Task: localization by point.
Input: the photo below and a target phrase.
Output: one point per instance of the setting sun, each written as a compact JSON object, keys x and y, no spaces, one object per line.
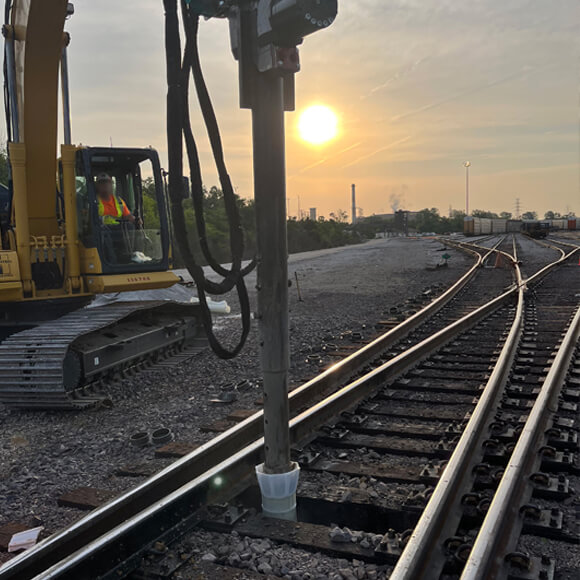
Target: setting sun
{"x":318,"y":124}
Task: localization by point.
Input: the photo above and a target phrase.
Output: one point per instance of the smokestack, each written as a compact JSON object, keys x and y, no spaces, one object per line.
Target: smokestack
{"x":353,"y":203}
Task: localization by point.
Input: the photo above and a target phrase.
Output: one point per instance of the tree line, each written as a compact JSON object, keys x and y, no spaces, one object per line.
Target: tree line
{"x":528,"y":215}
{"x":303,"y":235}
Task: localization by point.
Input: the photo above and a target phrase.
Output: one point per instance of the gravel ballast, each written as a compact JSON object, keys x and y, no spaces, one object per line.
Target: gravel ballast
{"x":45,"y":454}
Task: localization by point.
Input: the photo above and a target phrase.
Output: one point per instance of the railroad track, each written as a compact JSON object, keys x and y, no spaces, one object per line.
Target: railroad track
{"x":417,"y":402}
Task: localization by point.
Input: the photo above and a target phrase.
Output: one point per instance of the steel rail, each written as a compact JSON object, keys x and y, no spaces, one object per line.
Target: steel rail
{"x":551,"y":246}
{"x":572,"y":245}
{"x":476,"y":243}
{"x":114,"y":553}
{"x":423,"y":554}
{"x":123,"y":543}
{"x":494,"y":249}
{"x":226,"y":444}
{"x":517,"y":263}
{"x":155,"y":493}
{"x":55,"y":552}
{"x":423,"y":548}
{"x":496,"y":537}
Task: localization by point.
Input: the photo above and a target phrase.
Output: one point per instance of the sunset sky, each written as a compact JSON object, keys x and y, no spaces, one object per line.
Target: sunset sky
{"x":419,"y":87}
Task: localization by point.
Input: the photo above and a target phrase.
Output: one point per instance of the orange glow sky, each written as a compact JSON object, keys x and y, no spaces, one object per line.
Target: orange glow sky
{"x":419,"y":87}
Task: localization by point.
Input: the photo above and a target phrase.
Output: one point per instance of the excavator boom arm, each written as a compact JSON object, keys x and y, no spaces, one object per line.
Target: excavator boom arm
{"x":37,"y":31}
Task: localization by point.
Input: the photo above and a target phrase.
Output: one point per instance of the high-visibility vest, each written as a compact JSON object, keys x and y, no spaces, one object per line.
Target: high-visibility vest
{"x":111,"y":220}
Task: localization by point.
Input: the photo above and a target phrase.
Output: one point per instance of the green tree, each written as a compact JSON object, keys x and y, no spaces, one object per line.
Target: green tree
{"x":505,"y":215}
{"x":456,"y":221}
{"x":552,"y":215}
{"x":370,"y":226}
{"x":429,"y":220}
{"x":530,"y":215}
{"x":4,"y":167}
{"x":339,"y":216}
{"x":150,"y":212}
{"x":483,"y":214}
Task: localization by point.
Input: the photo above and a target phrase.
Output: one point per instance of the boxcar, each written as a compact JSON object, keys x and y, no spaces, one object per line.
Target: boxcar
{"x":468,"y":225}
{"x":559,"y":224}
{"x":498,"y":226}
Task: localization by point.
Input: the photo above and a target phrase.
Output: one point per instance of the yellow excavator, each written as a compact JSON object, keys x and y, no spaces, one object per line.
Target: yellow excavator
{"x":59,"y":245}
{"x":89,"y":221}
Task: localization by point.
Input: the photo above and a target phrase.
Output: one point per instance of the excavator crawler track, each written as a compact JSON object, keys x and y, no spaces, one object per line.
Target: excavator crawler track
{"x":60,"y":364}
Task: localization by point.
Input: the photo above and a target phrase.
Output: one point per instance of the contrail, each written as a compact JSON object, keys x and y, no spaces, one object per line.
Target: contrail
{"x":322,"y":161}
{"x":389,"y":146}
{"x":399,"y":75}
{"x":465,"y":93}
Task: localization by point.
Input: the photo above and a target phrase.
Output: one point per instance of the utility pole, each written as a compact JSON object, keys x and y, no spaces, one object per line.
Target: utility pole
{"x":353,"y":203}
{"x":467,"y":165}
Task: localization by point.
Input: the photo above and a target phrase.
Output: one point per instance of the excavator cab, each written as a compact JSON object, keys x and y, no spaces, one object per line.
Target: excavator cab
{"x":135,"y":238}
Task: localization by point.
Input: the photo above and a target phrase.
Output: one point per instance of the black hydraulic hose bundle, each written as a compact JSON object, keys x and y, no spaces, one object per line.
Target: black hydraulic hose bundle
{"x":178,"y":128}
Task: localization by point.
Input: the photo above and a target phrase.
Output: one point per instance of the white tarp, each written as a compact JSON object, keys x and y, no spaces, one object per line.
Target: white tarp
{"x":176,"y":293}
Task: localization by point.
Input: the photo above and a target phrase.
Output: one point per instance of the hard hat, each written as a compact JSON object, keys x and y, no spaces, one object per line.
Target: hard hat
{"x":103,"y":178}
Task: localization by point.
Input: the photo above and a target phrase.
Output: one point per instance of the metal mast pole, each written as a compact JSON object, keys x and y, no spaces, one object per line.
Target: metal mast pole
{"x":65,"y":94}
{"x":270,"y":199}
{"x":467,"y":190}
{"x":467,"y":165}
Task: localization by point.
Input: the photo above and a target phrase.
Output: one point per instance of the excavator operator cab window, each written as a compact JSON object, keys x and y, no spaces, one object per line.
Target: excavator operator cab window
{"x":122,"y":209}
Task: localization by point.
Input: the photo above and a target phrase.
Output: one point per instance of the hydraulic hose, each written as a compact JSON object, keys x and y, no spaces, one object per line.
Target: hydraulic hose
{"x":178,"y":127}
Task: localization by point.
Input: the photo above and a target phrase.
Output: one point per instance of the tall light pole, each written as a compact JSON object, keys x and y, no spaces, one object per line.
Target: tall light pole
{"x":467,"y":165}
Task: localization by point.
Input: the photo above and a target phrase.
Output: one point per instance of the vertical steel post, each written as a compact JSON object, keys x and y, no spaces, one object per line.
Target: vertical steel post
{"x":466,"y":190}
{"x":68,"y":157}
{"x":65,"y":95}
{"x":270,"y":200}
{"x":17,"y":153}
{"x":12,"y":90}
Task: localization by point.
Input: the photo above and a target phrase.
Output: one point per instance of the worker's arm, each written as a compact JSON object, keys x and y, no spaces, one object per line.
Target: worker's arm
{"x":127,"y":213}
{"x":130,"y":217}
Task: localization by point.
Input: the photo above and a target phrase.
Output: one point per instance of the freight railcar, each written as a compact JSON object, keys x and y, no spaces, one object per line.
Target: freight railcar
{"x":559,"y":224}
{"x":476,"y":226}
{"x":498,"y":226}
{"x":535,"y":228}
